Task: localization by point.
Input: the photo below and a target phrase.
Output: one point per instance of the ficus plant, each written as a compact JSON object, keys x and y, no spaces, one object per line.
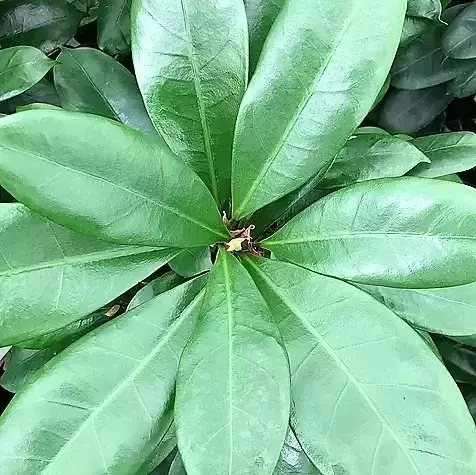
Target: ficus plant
{"x":334,"y":248}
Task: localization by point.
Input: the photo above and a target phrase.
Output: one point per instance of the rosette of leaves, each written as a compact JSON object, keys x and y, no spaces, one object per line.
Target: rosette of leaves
{"x":298,"y":350}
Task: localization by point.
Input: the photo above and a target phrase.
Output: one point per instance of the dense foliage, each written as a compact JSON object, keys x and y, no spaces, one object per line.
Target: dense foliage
{"x":227,"y":256}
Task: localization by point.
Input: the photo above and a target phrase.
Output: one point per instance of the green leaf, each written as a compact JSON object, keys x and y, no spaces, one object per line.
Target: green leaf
{"x":454,"y":178}
{"x":310,"y":91}
{"x":114,"y":26}
{"x":261,"y":15}
{"x":449,"y":153}
{"x":233,"y":383}
{"x":177,"y":467}
{"x":162,"y":284}
{"x":71,"y":332}
{"x":430,"y":9}
{"x":20,"y":68}
{"x":464,"y":84}
{"x":370,"y":130}
{"x":383,"y":91}
{"x":88,"y":7}
{"x":459,"y":359}
{"x":448,"y":310}
{"x":37,"y":105}
{"x":367,"y":389}
{"x":43,"y":91}
{"x":88,"y":80}
{"x":22,"y":365}
{"x":138,"y":177}
{"x":370,"y":156}
{"x":397,"y":232}
{"x":45,"y":24}
{"x":118,"y":410}
{"x":459,"y":40}
{"x":161,"y":455}
{"x":413,"y":27}
{"x":191,"y":62}
{"x":293,"y":460}
{"x":408,"y":111}
{"x":51,"y":276}
{"x":192,"y":262}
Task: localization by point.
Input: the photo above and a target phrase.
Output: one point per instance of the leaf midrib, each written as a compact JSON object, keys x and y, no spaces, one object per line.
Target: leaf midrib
{"x":310,"y":92}
{"x":127,"y":380}
{"x":332,"y":353}
{"x":123,"y":188}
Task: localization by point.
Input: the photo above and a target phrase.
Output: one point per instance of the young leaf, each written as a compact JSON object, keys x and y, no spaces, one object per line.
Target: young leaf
{"x":311,"y":89}
{"x":448,"y":153}
{"x":370,"y":156}
{"x":191,"y":60}
{"x":449,"y":310}
{"x":45,"y":268}
{"x":192,"y":261}
{"x":118,"y":410}
{"x":396,"y":232}
{"x":20,"y":68}
{"x":233,"y":382}
{"x":162,"y":284}
{"x":88,"y":80}
{"x":409,"y":111}
{"x":114,"y":26}
{"x":366,"y":389}
{"x":143,"y":184}
{"x":45,"y":24}
{"x":261,"y":15}
{"x":22,"y":365}
{"x":430,"y":9}
{"x":459,"y":40}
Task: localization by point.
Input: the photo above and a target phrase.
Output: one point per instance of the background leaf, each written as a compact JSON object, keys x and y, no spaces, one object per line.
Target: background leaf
{"x":396,"y":232}
{"x":114,"y":26}
{"x":142,"y":182}
{"x":430,"y":9}
{"x":192,"y":261}
{"x":191,"y":62}
{"x":459,"y":39}
{"x":20,"y":68}
{"x":90,"y":81}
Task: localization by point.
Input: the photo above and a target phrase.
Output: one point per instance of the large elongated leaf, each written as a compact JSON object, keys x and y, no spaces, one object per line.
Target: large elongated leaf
{"x":370,"y":156}
{"x":114,"y":26}
{"x":369,"y":394}
{"x":311,"y":89}
{"x":449,"y":153}
{"x":449,"y":310}
{"x":401,"y":232}
{"x":261,"y":15}
{"x":51,"y":276}
{"x":191,"y":60}
{"x":233,"y":383}
{"x":88,"y":80}
{"x":20,"y":68}
{"x":45,"y":24}
{"x":109,"y":395}
{"x":62,"y":165}
{"x":459,"y":40}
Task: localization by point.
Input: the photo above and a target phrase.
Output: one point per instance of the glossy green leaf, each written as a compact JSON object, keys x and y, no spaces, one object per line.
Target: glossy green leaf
{"x":45,"y":24}
{"x":43,"y":91}
{"x":261,"y":15}
{"x":370,"y":156}
{"x":162,"y":284}
{"x":449,"y":153}
{"x":37,"y":105}
{"x":192,"y":262}
{"x":69,"y":333}
{"x":20,"y":68}
{"x":177,"y":467}
{"x":310,"y":91}
{"x":293,"y":460}
{"x":459,"y":40}
{"x":454,"y":178}
{"x":413,"y":27}
{"x":232,"y":396}
{"x":51,"y":276}
{"x":448,"y":310}
{"x":191,"y":60}
{"x":408,"y":111}
{"x":370,"y":130}
{"x":396,"y":232}
{"x":88,"y":7}
{"x":143,"y":184}
{"x":22,"y":365}
{"x":369,"y":395}
{"x":430,"y":9}
{"x":88,"y":80}
{"x":114,"y":26}
{"x":464,"y":84}
{"x":109,"y":395}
